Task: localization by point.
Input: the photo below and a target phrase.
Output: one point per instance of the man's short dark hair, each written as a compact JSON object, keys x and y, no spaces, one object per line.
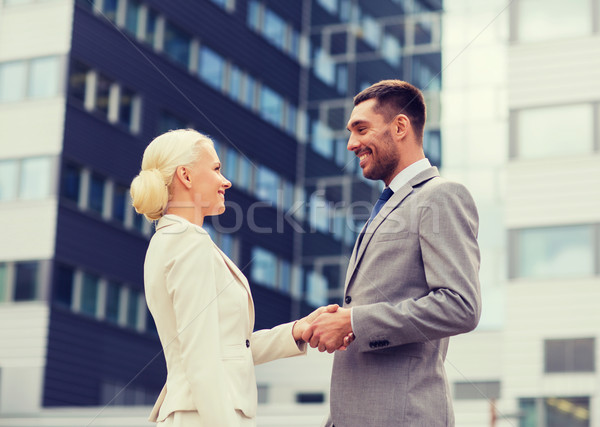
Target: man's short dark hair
{"x":397,"y":97}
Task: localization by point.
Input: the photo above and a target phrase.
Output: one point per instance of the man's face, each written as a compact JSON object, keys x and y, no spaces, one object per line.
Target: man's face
{"x":371,"y":141}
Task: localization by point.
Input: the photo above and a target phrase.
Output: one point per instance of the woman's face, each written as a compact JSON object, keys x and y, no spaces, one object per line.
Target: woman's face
{"x":208,"y":184}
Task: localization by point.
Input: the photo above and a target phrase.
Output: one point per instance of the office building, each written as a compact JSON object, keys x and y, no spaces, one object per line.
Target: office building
{"x":525,"y":87}
{"x":85,"y":85}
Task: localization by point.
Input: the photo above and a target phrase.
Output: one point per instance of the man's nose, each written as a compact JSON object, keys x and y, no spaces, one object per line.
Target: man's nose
{"x":353,"y":144}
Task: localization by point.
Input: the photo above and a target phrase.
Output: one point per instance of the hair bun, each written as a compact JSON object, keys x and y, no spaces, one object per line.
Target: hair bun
{"x":149,"y":193}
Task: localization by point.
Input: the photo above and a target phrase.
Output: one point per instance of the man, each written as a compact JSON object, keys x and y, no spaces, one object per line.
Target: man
{"x":412,"y":280}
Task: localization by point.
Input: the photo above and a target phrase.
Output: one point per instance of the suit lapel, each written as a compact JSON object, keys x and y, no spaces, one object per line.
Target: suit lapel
{"x":368,"y":232}
{"x":240,"y":278}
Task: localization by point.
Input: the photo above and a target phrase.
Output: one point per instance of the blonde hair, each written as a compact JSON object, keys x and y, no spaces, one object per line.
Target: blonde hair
{"x":150,"y":189}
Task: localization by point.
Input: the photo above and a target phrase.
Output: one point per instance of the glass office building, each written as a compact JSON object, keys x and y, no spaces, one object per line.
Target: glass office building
{"x":84,"y":87}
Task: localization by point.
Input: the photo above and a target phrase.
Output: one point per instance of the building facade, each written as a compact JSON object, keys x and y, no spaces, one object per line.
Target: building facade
{"x":530,"y":139}
{"x":85,"y":85}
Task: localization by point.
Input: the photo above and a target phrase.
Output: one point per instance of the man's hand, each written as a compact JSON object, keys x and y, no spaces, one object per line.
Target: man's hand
{"x":330,"y":331}
{"x":303,"y":324}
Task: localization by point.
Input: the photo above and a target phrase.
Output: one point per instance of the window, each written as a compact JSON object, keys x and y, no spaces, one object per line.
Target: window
{"x":44,"y":77}
{"x":177,"y":44}
{"x":8,"y":179}
{"x":432,"y":146}
{"x":89,"y":294}
{"x":310,"y":397}
{"x":294,"y":43}
{"x":119,"y":203}
{"x":570,"y":355}
{"x":537,"y":137}
{"x":329,"y":5}
{"x":423,"y":26}
{"x":13,"y":81}
{"x":316,"y":289}
{"x":254,"y":15}
{"x":341,"y":73}
{"x":267,"y":184}
{"x":3,"y":282}
{"x":132,"y":16}
{"x":245,"y":173}
{"x":227,"y":245}
{"x":274,"y":29}
{"x":71,"y":182}
{"x":235,"y":83}
{"x":138,"y":221}
{"x":63,"y":288}
{"x":271,"y":106}
{"x":264,"y":267}
{"x":538,"y":20}
{"x":231,"y":164}
{"x":132,"y":308}
{"x":554,"y":252}
{"x":127,"y":113}
{"x":109,"y":9}
{"x":554,"y":412}
{"x":249,"y":97}
{"x":77,"y":80}
{"x":113,"y":302}
{"x":26,"y":281}
{"x":321,"y":139}
{"x":285,"y":276}
{"x":228,"y":5}
{"x":291,"y":118}
{"x":151,"y":24}
{"x":288,"y":195}
{"x":211,"y":67}
{"x":481,"y":390}
{"x":324,"y":67}
{"x":391,"y":50}
{"x":103,"y":94}
{"x":25,"y":179}
{"x":35,"y":178}
{"x":372,"y":31}
{"x":96,"y":194}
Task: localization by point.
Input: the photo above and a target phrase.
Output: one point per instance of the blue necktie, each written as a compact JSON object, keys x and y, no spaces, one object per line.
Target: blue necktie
{"x":385,"y":196}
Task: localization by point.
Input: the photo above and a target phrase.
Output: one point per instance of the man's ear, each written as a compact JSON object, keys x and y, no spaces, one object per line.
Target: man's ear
{"x":401,"y":125}
{"x":183,"y":175}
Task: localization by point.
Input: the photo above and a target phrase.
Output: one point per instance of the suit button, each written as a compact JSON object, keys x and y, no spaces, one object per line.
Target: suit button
{"x":348,"y":299}
{"x":247,"y":343}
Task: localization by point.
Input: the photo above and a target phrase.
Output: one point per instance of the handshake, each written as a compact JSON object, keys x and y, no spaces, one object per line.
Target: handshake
{"x":328,"y":328}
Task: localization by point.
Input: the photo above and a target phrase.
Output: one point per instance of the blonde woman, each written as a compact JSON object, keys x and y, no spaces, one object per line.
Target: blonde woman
{"x":200,"y":301}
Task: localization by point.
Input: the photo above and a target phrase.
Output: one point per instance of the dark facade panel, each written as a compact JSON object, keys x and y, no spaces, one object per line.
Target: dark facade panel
{"x":271,"y":308}
{"x":233,"y":39}
{"x":165,"y":85}
{"x":83,"y":354}
{"x":93,"y":244}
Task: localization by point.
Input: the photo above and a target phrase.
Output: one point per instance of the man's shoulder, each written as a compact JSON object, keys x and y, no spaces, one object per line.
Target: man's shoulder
{"x":439,"y":187}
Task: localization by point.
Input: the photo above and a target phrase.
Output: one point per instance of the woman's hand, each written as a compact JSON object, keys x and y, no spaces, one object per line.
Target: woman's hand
{"x":301,"y":325}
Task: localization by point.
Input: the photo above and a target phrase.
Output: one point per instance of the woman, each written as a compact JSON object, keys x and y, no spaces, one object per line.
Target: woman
{"x":200,"y":301}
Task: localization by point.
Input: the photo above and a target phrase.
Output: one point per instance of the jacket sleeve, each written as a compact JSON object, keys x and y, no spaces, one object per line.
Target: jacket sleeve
{"x":275,"y":343}
{"x":191,"y":285}
{"x":447,"y":228}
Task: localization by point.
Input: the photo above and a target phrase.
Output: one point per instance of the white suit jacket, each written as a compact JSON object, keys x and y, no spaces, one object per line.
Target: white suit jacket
{"x":204,"y":314}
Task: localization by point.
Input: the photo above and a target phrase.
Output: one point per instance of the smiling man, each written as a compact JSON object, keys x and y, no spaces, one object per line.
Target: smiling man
{"x":412,"y":279}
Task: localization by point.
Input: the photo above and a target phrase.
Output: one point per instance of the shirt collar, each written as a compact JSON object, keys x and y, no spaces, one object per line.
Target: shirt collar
{"x":409,"y":173}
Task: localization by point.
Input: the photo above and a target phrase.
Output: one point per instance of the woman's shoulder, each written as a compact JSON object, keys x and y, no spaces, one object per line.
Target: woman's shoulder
{"x":176,"y":231}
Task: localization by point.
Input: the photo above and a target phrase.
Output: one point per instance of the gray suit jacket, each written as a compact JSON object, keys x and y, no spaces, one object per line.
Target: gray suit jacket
{"x":412,"y":283}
